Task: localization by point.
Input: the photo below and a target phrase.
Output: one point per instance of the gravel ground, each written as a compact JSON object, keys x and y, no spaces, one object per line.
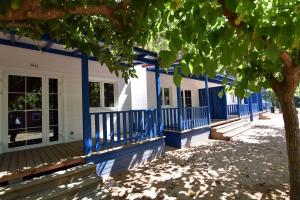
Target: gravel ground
{"x":251,"y":166}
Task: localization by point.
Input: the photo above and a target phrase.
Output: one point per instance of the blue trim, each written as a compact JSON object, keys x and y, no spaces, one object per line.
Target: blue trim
{"x":86,"y":120}
{"x":250,"y":107}
{"x":207,"y":99}
{"x":158,"y":100}
{"x":179,"y":104}
{"x":239,"y":106}
{"x":225,"y":105}
{"x":144,"y":51}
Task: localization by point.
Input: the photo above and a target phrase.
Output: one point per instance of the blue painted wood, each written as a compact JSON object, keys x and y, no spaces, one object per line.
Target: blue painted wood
{"x":158,"y":100}
{"x":140,"y":128}
{"x":155,"y":126}
{"x":239,"y":106}
{"x":125,"y":127}
{"x":130,"y":126}
{"x":104,"y":122}
{"x":86,"y":118}
{"x":146,"y":124}
{"x":118,"y":129}
{"x":179,"y":105}
{"x":250,"y":108}
{"x":112,"y":131}
{"x":207,"y":99}
{"x":260,"y":106}
{"x":150,"y":117}
{"x":97,"y":132}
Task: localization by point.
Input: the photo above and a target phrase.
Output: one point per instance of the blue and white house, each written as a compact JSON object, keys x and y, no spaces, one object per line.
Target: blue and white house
{"x":52,"y":96}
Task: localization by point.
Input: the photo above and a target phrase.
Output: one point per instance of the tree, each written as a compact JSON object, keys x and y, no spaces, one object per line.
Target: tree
{"x":258,"y":42}
{"x":119,"y":25}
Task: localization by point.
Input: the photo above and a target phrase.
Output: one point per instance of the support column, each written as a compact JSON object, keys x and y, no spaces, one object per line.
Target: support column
{"x":238,"y":107}
{"x":86,"y":120}
{"x":226,"y":112}
{"x":259,"y":101}
{"x":158,"y":100}
{"x":250,"y":107}
{"x":207,"y":99}
{"x":179,"y":105}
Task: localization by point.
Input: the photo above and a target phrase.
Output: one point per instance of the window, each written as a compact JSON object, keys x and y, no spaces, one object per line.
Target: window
{"x":232,"y":98}
{"x":109,"y":95}
{"x":53,"y":110}
{"x":24,"y":110}
{"x":95,"y":94}
{"x":166,"y":96}
{"x":102,"y":94}
{"x":186,"y":98}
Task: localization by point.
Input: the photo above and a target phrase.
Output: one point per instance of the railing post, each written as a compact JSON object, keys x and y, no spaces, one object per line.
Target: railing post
{"x":207,"y":99}
{"x":250,"y":107}
{"x":259,"y":101}
{"x":239,"y":106}
{"x":158,"y":100}
{"x":179,"y":105}
{"x":86,"y":120}
{"x":226,"y":111}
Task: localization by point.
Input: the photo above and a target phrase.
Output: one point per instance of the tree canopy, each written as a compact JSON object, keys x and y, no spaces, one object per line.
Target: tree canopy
{"x":258,"y":42}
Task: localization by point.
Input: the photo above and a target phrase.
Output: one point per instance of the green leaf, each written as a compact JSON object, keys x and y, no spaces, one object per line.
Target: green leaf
{"x":15,"y":4}
{"x":4,"y":5}
{"x":272,"y":54}
{"x":231,"y":5}
{"x":220,"y":94}
{"x":167,"y":58}
{"x":177,"y":77}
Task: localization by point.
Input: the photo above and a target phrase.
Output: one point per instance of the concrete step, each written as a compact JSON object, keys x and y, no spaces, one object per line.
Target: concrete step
{"x":23,"y":189}
{"x":227,"y":124}
{"x":237,"y":131}
{"x":71,"y":190}
{"x":233,"y":127}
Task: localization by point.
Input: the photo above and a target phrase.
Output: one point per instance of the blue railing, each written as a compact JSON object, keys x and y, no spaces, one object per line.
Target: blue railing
{"x":232,"y":109}
{"x":255,"y":108}
{"x":111,"y":129}
{"x":244,"y":110}
{"x":192,"y":117}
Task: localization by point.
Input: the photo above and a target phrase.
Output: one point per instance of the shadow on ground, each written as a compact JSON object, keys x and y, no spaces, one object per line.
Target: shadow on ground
{"x":252,"y":166}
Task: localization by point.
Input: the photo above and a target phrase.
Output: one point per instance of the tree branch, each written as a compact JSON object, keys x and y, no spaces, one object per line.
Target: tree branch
{"x":230,"y":15}
{"x":286,"y":59}
{"x":32,"y":9}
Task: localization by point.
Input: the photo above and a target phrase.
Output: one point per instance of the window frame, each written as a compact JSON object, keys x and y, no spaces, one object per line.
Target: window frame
{"x":102,"y":97}
{"x":163,"y":96}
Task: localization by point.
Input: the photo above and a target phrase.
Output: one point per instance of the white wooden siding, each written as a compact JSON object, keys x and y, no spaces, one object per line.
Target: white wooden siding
{"x":18,"y":60}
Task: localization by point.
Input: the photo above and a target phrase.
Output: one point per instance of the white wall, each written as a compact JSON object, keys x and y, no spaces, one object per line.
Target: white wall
{"x":18,"y":60}
{"x":231,"y":98}
{"x":167,"y":81}
{"x":139,"y":89}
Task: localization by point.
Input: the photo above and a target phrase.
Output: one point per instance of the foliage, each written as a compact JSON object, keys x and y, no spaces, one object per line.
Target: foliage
{"x":120,"y":25}
{"x":245,"y":40}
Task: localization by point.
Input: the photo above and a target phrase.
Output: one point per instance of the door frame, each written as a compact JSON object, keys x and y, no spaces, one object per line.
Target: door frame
{"x":45,"y":107}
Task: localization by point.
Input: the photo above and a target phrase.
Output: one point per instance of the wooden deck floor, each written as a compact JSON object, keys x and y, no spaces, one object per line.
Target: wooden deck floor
{"x":19,"y":164}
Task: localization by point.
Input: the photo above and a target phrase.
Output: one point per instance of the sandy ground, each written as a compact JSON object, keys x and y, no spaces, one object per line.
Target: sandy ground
{"x":251,"y":166}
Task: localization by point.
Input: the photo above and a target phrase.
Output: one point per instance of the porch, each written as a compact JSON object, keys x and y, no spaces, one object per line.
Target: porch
{"x":25,"y":163}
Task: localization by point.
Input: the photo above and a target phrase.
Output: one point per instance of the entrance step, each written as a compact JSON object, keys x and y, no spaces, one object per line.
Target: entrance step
{"x":65,"y":184}
{"x":265,"y":116}
{"x":229,"y":130}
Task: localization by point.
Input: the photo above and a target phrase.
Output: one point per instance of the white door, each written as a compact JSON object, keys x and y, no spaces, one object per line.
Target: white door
{"x":33,"y":111}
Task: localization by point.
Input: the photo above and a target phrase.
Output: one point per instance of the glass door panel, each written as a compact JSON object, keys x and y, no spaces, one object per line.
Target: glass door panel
{"x":24,"y":110}
{"x":53,"y":110}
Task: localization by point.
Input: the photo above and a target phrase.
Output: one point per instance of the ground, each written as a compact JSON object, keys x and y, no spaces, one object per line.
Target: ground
{"x":251,"y":166}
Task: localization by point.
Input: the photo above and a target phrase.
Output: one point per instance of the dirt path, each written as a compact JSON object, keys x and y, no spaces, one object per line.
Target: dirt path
{"x":252,"y":166}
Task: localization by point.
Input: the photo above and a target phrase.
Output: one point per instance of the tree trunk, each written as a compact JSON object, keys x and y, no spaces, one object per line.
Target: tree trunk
{"x":292,"y":135}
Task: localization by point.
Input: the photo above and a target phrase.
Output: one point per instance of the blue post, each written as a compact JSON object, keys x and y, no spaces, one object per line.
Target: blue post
{"x":158,"y":99}
{"x":265,"y":98}
{"x":225,"y":109}
{"x":179,"y":104}
{"x":207,"y":99}
{"x":239,"y":106}
{"x":250,"y":107}
{"x":259,"y":101}
{"x":86,"y":120}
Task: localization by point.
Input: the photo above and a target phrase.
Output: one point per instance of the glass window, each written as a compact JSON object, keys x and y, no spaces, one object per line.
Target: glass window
{"x":186,"y":97}
{"x":109,"y":95}
{"x":167,"y":96}
{"x":53,"y":110}
{"x":94,"y":94}
{"x":24,"y":110}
